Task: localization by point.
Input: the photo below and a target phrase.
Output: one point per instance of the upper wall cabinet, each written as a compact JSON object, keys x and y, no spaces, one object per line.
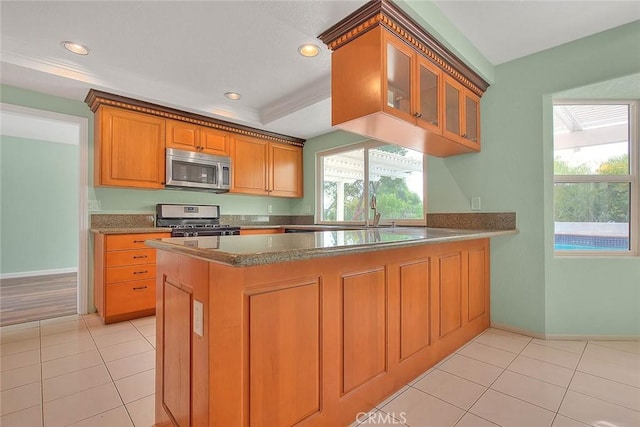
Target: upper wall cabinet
{"x":131,"y":136}
{"x":266,"y":168}
{"x":393,"y":82}
{"x":190,"y":137}
{"x":129,"y":149}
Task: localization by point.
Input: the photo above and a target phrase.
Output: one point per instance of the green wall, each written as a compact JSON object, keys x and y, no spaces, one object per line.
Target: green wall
{"x":532,"y":289}
{"x":119,"y":200}
{"x":39,"y":209}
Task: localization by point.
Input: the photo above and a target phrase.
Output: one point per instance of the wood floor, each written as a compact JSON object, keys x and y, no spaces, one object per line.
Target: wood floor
{"x":26,"y":299}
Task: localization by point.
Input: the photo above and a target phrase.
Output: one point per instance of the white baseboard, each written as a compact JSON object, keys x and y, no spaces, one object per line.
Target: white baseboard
{"x":38,"y":273}
{"x":565,"y":337}
{"x":517,"y":330}
{"x":593,"y":337}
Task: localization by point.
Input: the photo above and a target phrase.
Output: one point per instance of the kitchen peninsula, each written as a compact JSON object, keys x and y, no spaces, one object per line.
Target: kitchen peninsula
{"x":310,"y":328}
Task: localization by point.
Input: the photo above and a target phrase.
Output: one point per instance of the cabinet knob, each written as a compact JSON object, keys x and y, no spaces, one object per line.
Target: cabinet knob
{"x":464,"y":135}
{"x":434,"y":122}
{"x":417,"y":115}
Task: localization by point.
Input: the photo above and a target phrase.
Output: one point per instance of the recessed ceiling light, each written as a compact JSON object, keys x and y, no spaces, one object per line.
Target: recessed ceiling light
{"x":232,"y":95}
{"x":309,"y":50}
{"x":76,"y":48}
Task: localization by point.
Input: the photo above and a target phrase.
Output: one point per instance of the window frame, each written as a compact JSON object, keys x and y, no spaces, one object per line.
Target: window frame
{"x":366,"y":145}
{"x":632,"y":179}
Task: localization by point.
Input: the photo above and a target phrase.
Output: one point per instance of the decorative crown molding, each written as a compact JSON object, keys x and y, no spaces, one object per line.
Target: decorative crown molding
{"x":386,"y":14}
{"x":96,"y":98}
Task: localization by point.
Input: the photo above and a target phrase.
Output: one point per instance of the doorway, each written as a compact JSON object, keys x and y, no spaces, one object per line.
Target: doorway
{"x":43,"y":214}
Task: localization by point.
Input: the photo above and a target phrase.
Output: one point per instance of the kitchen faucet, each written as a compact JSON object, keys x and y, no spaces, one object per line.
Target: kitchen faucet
{"x":376,"y":214}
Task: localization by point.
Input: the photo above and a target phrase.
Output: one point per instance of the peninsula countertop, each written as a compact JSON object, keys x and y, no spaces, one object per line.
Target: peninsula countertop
{"x":251,"y":250}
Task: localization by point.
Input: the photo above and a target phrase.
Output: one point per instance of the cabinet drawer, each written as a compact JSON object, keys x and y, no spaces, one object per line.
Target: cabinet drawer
{"x":134,"y":257}
{"x":130,"y":297}
{"x":118,"y":242}
{"x":130,"y":272}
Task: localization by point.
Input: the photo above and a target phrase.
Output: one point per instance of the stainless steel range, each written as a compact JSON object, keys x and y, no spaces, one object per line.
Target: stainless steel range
{"x":193,"y":220}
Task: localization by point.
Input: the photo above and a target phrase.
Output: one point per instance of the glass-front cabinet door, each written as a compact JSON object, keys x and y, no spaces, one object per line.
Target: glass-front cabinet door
{"x":471,"y":117}
{"x":452,"y":108}
{"x":428,"y":113}
{"x":398,"y":92}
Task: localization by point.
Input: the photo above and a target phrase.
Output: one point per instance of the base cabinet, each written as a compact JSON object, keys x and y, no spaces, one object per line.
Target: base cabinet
{"x":312,"y":342}
{"x":124,"y":276}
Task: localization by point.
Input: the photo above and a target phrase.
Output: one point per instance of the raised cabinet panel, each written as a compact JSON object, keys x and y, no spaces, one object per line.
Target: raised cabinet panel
{"x":414,"y":308}
{"x":284,"y":352}
{"x":477,"y":284}
{"x":130,"y":149}
{"x":250,"y":157}
{"x":176,"y":351}
{"x":450,"y":286}
{"x":182,"y":135}
{"x":363,"y":327}
{"x":286,"y":170}
{"x":214,"y":141}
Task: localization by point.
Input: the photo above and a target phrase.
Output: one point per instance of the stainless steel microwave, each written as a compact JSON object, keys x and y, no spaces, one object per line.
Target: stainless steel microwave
{"x":197,"y":171}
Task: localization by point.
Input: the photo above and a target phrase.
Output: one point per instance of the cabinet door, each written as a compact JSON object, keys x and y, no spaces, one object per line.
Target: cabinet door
{"x":176,"y":341}
{"x":130,"y":149}
{"x":428,"y":96}
{"x":213,"y":141}
{"x":453,"y":103}
{"x":250,"y":156}
{"x":181,"y":135}
{"x":286,"y":170}
{"x":471,"y":118}
{"x":399,"y":59}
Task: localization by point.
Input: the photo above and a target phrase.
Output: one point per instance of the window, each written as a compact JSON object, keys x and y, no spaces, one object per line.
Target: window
{"x":595,"y":177}
{"x":349,"y":177}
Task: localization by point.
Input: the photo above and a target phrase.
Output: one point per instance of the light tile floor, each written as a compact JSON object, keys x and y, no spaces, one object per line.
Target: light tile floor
{"x":75,"y":371}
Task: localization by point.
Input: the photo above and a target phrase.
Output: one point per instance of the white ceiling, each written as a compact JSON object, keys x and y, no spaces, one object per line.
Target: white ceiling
{"x":188,"y":54}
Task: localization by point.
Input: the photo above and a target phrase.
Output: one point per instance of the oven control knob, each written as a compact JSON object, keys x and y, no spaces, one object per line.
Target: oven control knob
{"x":194,"y":234}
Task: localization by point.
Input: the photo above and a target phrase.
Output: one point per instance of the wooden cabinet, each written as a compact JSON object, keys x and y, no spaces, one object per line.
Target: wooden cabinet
{"x":311,"y":342}
{"x":412,"y":85}
{"x":124,"y":276}
{"x":388,"y":82}
{"x":191,"y":137}
{"x":461,"y":114}
{"x":246,"y":231}
{"x":385,"y":89}
{"x":266,"y":168}
{"x":129,"y":149}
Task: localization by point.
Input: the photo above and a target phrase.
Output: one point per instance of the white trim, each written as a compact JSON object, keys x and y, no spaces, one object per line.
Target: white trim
{"x":633,"y":179}
{"x":365,"y":146}
{"x":569,"y":337}
{"x":38,"y":273}
{"x":517,"y":330}
{"x":565,"y":337}
{"x":83,"y":192}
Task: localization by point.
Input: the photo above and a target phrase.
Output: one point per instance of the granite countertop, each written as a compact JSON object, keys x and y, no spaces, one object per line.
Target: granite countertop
{"x":251,"y":250}
{"x":130,"y":230}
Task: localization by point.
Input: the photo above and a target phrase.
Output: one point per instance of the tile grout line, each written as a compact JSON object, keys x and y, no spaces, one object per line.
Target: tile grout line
{"x":494,"y":381}
{"x":110,"y":376}
{"x":569,"y":385}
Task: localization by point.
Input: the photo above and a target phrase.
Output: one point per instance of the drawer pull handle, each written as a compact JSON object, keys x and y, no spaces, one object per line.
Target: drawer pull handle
{"x":138,"y":241}
{"x":141,"y":272}
{"x":140,"y":288}
{"x":139,"y":256}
